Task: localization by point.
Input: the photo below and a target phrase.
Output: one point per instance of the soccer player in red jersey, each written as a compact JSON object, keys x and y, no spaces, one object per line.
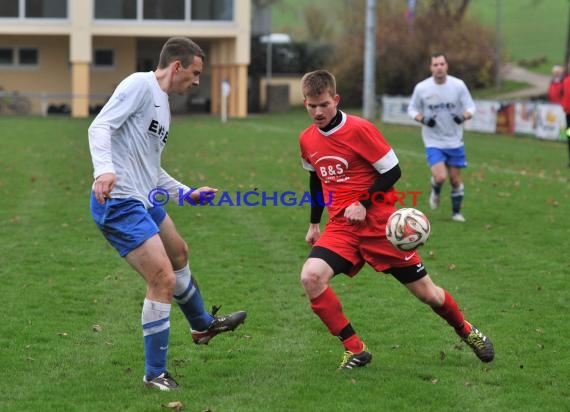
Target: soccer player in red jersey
{"x":347,"y":154}
{"x":566,"y":105}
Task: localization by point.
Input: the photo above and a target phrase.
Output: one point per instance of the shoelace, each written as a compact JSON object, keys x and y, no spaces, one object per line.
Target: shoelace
{"x":345,"y":358}
{"x":476,"y":339}
{"x":215,"y":309}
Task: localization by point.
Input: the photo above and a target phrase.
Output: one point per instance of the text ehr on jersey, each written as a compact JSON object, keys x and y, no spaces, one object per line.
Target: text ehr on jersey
{"x":158,"y":130}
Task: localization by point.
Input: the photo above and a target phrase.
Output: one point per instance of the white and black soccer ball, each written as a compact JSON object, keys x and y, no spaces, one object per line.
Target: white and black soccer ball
{"x":407,"y":229}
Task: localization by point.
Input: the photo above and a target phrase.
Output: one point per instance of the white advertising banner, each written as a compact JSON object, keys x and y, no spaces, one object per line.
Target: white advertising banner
{"x":543,"y":120}
{"x":485,"y":118}
{"x":550,"y":120}
{"x":525,"y":117}
{"x":395,"y":110}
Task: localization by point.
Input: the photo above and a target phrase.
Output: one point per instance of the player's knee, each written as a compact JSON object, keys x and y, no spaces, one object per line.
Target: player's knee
{"x":180,"y":258}
{"x":456,"y":182}
{"x":432,"y":297}
{"x":311,"y":279}
{"x":439,"y":179}
{"x":162,"y":282}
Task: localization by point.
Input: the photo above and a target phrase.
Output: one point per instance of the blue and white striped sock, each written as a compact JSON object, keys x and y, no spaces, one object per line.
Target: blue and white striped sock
{"x":156,"y":328}
{"x":189,"y":299}
{"x":435,"y":187}
{"x":457,"y":194}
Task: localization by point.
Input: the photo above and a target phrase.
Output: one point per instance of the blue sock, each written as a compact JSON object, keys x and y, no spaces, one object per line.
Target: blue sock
{"x":457,"y":198}
{"x":436,"y":188}
{"x":156,"y":327}
{"x":189,"y":299}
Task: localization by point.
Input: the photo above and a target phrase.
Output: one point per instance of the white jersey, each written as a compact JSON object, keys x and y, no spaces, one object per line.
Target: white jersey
{"x":128,"y":136}
{"x":442,"y":102}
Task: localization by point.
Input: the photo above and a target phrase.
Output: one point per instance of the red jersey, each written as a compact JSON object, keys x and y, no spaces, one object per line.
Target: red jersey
{"x":555,"y":91}
{"x":566,"y":94}
{"x":347,"y":160}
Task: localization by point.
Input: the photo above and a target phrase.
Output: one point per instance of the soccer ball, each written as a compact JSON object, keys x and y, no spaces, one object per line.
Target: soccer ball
{"x":407,"y":229}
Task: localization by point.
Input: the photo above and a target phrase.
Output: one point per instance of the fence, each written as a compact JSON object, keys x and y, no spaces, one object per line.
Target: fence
{"x":541,"y":120}
{"x":16,"y":103}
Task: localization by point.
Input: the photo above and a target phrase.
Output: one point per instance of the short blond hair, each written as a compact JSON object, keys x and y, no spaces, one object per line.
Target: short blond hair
{"x":179,"y":48}
{"x":318,"y":82}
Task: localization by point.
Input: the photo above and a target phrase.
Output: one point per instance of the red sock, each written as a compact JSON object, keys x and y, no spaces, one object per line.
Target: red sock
{"x":329,"y":309}
{"x":451,"y":313}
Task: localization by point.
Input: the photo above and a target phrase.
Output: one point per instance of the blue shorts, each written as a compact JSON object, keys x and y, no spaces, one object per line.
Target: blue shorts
{"x":451,"y":157}
{"x":126,"y":223}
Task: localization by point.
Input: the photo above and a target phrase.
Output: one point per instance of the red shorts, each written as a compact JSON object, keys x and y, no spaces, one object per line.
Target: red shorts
{"x":366,"y":242}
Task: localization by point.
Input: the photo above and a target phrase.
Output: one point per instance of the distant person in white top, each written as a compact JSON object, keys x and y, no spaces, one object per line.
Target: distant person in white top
{"x":126,"y":140}
{"x":442,"y":103}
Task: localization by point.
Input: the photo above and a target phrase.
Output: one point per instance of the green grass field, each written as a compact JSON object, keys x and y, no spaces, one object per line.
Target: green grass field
{"x":530,"y":29}
{"x":508,"y":267}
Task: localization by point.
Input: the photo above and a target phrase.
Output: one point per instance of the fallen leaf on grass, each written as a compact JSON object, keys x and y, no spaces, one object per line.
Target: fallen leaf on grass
{"x":451,"y":266}
{"x":177,"y":405}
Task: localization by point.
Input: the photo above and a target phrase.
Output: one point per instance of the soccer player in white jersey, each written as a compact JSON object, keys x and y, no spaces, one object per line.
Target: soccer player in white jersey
{"x":442,"y":103}
{"x":126,"y":140}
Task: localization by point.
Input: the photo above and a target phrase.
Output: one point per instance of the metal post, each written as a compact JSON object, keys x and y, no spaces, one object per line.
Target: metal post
{"x":567,"y":60}
{"x":498,"y":80}
{"x":269,"y":61}
{"x":369,"y":86}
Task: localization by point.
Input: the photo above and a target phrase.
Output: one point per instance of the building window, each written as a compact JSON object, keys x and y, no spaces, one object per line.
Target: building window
{"x":46,"y":8}
{"x":23,"y":56}
{"x":28,"y":56}
{"x":163,"y":9}
{"x":212,"y":10}
{"x":6,"y":57}
{"x":116,"y":9}
{"x":9,"y":8}
{"x":206,"y":10}
{"x":103,"y":58}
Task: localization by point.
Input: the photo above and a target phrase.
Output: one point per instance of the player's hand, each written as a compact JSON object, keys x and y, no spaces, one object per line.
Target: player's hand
{"x":203,"y":194}
{"x":103,"y":186}
{"x":313,"y":234}
{"x":458,"y":118}
{"x":355,"y":213}
{"x":428,"y":121}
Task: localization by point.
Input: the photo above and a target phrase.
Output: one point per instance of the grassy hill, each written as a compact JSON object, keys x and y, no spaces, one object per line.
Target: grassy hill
{"x":532,"y":30}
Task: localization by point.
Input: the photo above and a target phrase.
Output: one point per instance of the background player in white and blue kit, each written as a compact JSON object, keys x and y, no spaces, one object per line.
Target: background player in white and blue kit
{"x":442,"y":103}
{"x":126,"y":140}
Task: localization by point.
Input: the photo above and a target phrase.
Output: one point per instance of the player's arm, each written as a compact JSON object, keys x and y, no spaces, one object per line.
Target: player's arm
{"x":356,"y":212}
{"x":467,"y":103}
{"x":415,"y":109}
{"x":179,"y":190}
{"x":126,"y":99}
{"x":101,"y":155}
{"x":317,"y":203}
{"x":384,"y":182}
{"x":317,"y":208}
{"x":387,"y":167}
